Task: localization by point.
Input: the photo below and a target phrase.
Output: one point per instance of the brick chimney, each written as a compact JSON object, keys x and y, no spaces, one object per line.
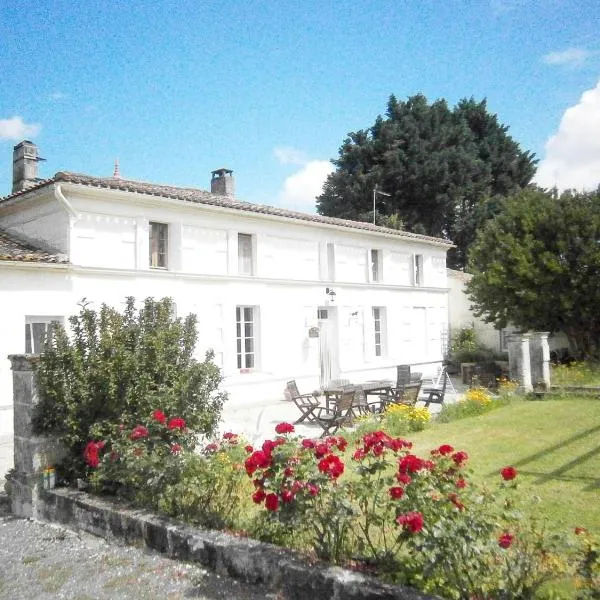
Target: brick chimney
{"x":222,"y":182}
{"x":25,"y":166}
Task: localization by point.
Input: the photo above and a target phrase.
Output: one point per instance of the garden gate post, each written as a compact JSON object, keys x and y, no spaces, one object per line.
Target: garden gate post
{"x":540,"y":359}
{"x":33,"y":454}
{"x":519,"y":360}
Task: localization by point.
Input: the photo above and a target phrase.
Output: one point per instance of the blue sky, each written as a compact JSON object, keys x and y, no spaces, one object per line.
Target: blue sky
{"x":270,"y":89}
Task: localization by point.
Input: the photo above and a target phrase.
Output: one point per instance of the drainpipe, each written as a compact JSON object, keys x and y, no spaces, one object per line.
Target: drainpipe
{"x":61,"y":198}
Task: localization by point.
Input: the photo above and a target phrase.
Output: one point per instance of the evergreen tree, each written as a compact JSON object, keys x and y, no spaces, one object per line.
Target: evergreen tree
{"x":444,"y":169}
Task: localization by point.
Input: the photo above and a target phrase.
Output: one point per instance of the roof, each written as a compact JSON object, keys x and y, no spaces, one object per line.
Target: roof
{"x":13,"y":248}
{"x":198,"y":196}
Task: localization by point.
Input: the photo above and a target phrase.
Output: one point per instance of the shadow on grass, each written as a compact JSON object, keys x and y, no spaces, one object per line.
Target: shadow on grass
{"x":561,"y":472}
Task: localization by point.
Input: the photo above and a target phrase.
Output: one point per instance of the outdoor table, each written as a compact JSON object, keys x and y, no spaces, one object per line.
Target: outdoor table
{"x":377,"y":387}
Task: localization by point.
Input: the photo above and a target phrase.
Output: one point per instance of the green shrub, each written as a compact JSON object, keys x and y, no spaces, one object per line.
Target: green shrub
{"x":116,"y":368}
{"x":476,"y":401}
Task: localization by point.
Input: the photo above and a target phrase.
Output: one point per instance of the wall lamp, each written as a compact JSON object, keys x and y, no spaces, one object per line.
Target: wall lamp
{"x":330,"y":293}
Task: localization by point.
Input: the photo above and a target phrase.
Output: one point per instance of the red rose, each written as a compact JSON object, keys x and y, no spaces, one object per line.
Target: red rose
{"x":232,"y":438}
{"x":257,"y":460}
{"x":212,"y":447}
{"x":272,"y":502}
{"x":249,"y":449}
{"x":159,"y":416}
{"x":403,"y":478}
{"x":91,"y":453}
{"x":461,"y":483}
{"x":282,"y":428}
{"x":396,"y":492}
{"x":505,"y":540}
{"x":321,"y":450}
{"x":287,"y":496}
{"x":508,"y":473}
{"x":460,"y":458}
{"x":176,"y":423}
{"x":445,"y":449}
{"x":411,"y":464}
{"x":139,"y":432}
{"x":258,"y":496}
{"x":331,"y":465}
{"x":412,"y":521}
{"x":268,"y":446}
{"x":306,"y":443}
{"x":580,"y":530}
{"x":175,"y":448}
{"x":359,"y":454}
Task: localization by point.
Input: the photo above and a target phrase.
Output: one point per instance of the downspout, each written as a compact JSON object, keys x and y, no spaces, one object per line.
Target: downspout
{"x":73,"y":216}
{"x":61,"y":198}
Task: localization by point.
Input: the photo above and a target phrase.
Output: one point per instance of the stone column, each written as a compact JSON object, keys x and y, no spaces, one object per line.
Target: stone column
{"x":32,"y":453}
{"x":540,"y":359}
{"x":519,"y":360}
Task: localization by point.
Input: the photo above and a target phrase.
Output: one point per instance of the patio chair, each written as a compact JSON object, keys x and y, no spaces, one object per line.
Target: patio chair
{"x":402,"y":375}
{"x":331,"y":419}
{"x":306,"y":403}
{"x":407,"y":394}
{"x":435,"y":395}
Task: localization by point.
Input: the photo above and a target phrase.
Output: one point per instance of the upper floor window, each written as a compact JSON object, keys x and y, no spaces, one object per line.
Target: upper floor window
{"x":379,"y":330}
{"x":37,"y":331}
{"x":375,"y":265}
{"x":418,"y":277}
{"x":330,"y":262}
{"x":159,"y":245}
{"x":245,"y":317}
{"x":245,"y":254}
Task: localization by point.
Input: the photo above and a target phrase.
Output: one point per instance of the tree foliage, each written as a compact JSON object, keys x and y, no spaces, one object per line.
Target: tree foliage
{"x":119,"y":367}
{"x":444,"y":168}
{"x":537,"y":266}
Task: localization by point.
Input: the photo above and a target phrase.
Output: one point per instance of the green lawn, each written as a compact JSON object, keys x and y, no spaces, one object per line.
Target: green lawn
{"x":554,"y":444}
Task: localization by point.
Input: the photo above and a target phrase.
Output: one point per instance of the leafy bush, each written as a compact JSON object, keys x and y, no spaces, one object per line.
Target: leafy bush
{"x":118,"y":368}
{"x":465,"y":347}
{"x":576,"y":373}
{"x":476,"y":401}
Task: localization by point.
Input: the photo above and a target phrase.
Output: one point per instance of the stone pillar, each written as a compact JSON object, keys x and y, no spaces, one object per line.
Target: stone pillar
{"x":540,"y":359}
{"x":519,"y":360}
{"x":32,"y":453}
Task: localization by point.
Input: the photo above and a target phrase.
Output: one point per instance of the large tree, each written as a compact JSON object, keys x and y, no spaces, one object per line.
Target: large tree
{"x":537,"y":265}
{"x":444,"y":170}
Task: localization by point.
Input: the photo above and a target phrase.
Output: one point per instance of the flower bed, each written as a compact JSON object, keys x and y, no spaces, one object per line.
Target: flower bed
{"x":374,"y":506}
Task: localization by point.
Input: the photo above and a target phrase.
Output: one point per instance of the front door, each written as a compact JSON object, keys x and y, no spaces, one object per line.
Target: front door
{"x":328,"y":345}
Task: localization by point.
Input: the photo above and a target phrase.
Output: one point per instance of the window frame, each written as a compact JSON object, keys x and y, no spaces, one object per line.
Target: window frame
{"x":243,"y":260}
{"x":246,"y":360}
{"x":32,"y":341}
{"x":418,"y":270}
{"x":379,"y":321}
{"x":375,"y":259}
{"x":156,"y":228}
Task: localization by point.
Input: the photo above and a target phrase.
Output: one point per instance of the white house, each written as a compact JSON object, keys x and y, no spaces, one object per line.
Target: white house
{"x":259,"y":278}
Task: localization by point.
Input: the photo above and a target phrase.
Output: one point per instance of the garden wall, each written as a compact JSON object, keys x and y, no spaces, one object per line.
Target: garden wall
{"x":246,"y":559}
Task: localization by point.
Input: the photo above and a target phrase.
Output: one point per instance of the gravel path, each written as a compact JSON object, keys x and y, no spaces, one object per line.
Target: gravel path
{"x":43,"y":561}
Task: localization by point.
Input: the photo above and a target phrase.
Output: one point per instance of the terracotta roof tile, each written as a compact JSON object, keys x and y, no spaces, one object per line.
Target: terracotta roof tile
{"x":204,"y":197}
{"x":14,"y":249}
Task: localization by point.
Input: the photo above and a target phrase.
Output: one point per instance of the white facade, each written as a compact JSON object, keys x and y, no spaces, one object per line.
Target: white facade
{"x":389,"y":303}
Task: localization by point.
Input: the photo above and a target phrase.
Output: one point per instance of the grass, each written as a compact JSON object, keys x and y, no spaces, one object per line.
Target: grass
{"x":554,"y":445}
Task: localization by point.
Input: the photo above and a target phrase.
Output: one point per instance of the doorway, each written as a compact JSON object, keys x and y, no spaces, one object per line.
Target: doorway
{"x":328,"y":345}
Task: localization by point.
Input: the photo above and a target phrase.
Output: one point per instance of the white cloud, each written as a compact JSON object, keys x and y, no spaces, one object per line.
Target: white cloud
{"x":572,"y":158}
{"x":16,"y":129}
{"x":287,"y":155}
{"x":571,"y":56}
{"x":301,"y":189}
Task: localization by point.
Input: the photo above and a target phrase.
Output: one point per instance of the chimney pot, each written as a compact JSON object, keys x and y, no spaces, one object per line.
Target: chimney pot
{"x":25,"y":165}
{"x":222,"y":182}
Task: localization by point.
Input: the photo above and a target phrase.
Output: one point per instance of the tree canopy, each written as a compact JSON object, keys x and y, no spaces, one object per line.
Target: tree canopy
{"x":443,"y":168}
{"x":537,"y":265}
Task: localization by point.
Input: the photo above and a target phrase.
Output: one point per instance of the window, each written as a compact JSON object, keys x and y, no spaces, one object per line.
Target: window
{"x":375,"y":265}
{"x":245,"y":317}
{"x":245,"y":262}
{"x":379,"y":330}
{"x":159,"y":245}
{"x":37,"y":330}
{"x":331,"y":262}
{"x":418,"y":269}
